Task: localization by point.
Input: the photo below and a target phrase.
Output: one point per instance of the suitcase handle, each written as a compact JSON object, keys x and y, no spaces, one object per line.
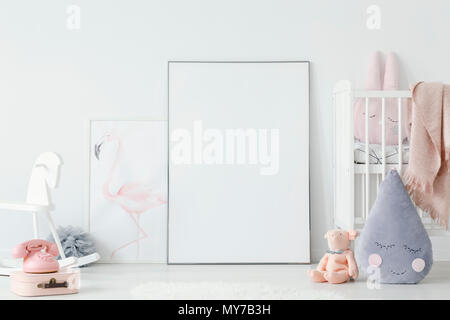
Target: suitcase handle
{"x":53,"y":284}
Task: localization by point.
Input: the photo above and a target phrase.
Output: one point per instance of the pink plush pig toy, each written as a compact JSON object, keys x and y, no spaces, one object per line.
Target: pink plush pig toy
{"x":338,"y":265}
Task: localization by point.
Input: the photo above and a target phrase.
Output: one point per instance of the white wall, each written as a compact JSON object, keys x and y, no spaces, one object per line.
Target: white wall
{"x":53,"y":79}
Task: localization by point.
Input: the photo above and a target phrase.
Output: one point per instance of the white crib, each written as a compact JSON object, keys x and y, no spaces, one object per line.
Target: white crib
{"x":355,"y":183}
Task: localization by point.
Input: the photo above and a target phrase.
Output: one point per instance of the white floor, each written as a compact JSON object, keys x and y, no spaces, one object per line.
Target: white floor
{"x":144,"y":281}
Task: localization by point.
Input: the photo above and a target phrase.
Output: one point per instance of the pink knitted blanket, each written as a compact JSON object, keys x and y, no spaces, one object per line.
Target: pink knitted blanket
{"x":428,"y":174}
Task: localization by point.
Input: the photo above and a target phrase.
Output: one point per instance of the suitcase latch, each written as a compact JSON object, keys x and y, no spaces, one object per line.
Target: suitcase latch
{"x":52,"y":284}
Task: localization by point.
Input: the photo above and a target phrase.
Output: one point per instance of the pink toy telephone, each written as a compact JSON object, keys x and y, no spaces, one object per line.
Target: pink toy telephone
{"x":38,"y":256}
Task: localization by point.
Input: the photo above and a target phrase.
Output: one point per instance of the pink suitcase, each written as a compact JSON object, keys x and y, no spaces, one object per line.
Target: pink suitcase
{"x":45,"y":284}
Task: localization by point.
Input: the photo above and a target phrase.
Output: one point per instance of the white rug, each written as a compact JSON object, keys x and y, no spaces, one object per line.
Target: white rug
{"x":180,"y":290}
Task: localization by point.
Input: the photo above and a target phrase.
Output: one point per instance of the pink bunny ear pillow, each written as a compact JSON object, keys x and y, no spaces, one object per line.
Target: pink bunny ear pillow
{"x":374,"y":82}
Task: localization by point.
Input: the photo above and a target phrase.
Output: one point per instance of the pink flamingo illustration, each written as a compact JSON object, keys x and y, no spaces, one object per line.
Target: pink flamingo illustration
{"x":134,"y":198}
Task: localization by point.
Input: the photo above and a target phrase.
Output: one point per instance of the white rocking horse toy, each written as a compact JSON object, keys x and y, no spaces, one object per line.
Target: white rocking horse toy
{"x":45,"y":174}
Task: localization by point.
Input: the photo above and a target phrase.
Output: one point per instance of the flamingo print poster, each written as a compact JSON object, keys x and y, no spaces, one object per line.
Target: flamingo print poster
{"x":128,"y":189}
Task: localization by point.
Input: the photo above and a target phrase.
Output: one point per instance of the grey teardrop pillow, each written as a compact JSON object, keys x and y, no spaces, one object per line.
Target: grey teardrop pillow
{"x":394,"y":238}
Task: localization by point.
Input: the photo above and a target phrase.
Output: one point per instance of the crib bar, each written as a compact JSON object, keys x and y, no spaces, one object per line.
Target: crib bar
{"x":400,"y":141}
{"x":367,"y":191}
{"x":363,"y":200}
{"x":383,"y":136}
{"x":378,"y":182}
{"x":382,"y":93}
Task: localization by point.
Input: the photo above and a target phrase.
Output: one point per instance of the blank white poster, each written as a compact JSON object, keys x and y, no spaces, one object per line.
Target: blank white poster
{"x":239,"y":162}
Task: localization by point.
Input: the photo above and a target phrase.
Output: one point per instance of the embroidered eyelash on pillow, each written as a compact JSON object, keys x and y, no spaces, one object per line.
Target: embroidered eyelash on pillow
{"x":394,"y":240}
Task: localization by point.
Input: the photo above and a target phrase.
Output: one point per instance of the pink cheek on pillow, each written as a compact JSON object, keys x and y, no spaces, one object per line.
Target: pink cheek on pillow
{"x":375,"y":260}
{"x":418,"y":264}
